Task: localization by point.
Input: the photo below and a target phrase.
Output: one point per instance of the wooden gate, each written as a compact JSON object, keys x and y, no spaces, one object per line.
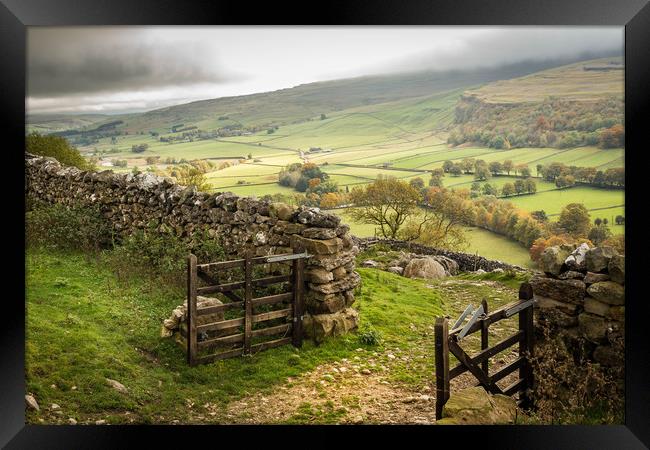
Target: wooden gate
{"x":449,"y":341}
{"x":245,"y":322}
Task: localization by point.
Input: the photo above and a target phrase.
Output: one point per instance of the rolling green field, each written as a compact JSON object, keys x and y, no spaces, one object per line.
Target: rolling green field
{"x":401,"y":134}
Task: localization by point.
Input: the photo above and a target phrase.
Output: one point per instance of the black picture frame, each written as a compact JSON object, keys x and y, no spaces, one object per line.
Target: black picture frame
{"x":16,"y":15}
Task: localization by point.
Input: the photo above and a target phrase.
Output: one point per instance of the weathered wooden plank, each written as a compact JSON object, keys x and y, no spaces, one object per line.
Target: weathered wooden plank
{"x":248,"y":297}
{"x":270,"y":344}
{"x":442,"y":364}
{"x":515,"y":387}
{"x":271,"y":280}
{"x":473,"y":368}
{"x":298,"y":300}
{"x":218,"y":308}
{"x":214,"y":282}
{"x":221,"y":325}
{"x":507,"y":369}
{"x":229,"y":287}
{"x":272,"y":315}
{"x":226,"y":287}
{"x":192,"y":282}
{"x":488,"y":353}
{"x":232,"y":339}
{"x":217,"y":356}
{"x":242,"y":262}
{"x":498,"y":314}
{"x":269,"y":331}
{"x":223,"y":264}
{"x":271,"y":299}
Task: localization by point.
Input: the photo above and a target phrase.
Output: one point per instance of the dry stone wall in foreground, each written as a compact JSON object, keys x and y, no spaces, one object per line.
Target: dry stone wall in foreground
{"x":581,"y":296}
{"x":131,"y":202}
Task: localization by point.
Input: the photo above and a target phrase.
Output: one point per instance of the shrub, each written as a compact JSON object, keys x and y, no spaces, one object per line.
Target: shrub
{"x":369,"y":336}
{"x":56,"y":147}
{"x":162,"y":254}
{"x":66,"y":228}
{"x":569,"y":389}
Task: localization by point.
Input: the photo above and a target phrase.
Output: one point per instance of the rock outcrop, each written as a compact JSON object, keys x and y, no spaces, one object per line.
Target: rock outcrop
{"x":475,"y":406}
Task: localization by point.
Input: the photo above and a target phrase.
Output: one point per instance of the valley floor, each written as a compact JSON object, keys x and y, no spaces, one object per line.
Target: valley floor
{"x":85,"y":325}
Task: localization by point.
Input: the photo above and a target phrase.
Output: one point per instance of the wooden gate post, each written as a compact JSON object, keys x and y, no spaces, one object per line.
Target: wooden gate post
{"x":192,"y":344}
{"x":248,"y":302}
{"x":484,"y":336}
{"x":526,"y":345}
{"x":441,"y":331}
{"x":298,"y":298}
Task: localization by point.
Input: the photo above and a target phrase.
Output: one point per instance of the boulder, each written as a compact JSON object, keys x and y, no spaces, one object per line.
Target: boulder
{"x":552,"y":260}
{"x":281,"y":210}
{"x":345,"y":284}
{"x":330,"y":262}
{"x":179,"y":315}
{"x":370,"y":263}
{"x":617,"y":313}
{"x":319,"y":233}
{"x":558,"y":318}
{"x":315,"y":218}
{"x":318,"y":275}
{"x":119,"y":387}
{"x":571,"y":275}
{"x":593,"y":327}
{"x":318,"y":246}
{"x":328,"y":304}
{"x":427,"y":268}
{"x":616,"y":268}
{"x":592,"y":277}
{"x":576,"y":260}
{"x":546,"y":303}
{"x":319,"y":326}
{"x":593,"y":306}
{"x":339,"y":273}
{"x":608,"y":292}
{"x":476,"y":406}
{"x":571,"y":291}
{"x":396,"y":269}
{"x":31,"y":402}
{"x":451,"y":266}
{"x":609,"y":356}
{"x":597,"y":259}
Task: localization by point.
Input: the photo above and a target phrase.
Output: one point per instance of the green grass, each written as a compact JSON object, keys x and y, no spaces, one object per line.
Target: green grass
{"x":83,"y":325}
{"x":494,"y":246}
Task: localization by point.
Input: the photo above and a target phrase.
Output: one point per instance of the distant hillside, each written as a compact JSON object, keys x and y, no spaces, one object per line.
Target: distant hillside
{"x":49,"y":123}
{"x":563,"y":107}
{"x":258,"y":112}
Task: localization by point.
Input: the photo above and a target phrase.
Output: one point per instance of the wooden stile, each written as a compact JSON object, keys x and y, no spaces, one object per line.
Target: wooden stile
{"x":478,"y":365}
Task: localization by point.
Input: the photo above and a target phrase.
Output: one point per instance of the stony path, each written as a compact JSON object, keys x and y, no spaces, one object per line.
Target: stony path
{"x":361,"y":390}
{"x":340,"y":392}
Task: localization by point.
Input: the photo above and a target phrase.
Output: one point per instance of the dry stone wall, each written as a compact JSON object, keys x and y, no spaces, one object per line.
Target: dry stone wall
{"x":581,"y":296}
{"x":467,"y":262}
{"x":131,"y":202}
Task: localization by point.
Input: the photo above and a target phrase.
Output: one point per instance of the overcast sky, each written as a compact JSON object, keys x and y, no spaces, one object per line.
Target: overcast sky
{"x":128,"y":69}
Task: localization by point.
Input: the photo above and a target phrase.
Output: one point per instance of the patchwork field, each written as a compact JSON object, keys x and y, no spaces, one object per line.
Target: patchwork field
{"x":404,"y":136}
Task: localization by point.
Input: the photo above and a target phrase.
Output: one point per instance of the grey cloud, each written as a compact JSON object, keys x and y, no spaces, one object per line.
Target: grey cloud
{"x":78,"y":61}
{"x":517,"y":44}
